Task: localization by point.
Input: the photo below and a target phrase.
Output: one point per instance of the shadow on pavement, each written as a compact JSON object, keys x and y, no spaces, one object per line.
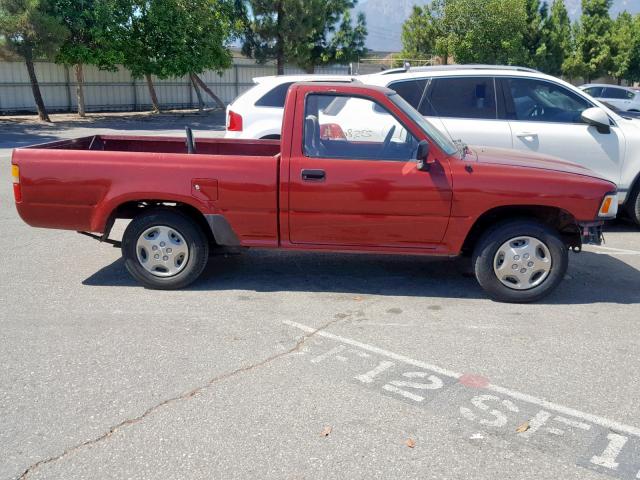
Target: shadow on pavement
{"x":592,"y":278}
{"x":20,"y":133}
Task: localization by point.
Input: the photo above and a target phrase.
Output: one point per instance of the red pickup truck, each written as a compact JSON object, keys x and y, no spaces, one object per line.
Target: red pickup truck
{"x":398,"y":186}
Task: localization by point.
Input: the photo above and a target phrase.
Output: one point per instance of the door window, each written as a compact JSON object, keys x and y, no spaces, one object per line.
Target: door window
{"x":410,"y":90}
{"x":464,"y":97}
{"x":594,"y":91}
{"x":618,"y":94}
{"x":340,"y":126}
{"x":541,"y":101}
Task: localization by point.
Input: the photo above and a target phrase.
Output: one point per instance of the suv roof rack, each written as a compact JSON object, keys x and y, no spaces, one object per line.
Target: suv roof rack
{"x":435,"y":68}
{"x":394,"y":70}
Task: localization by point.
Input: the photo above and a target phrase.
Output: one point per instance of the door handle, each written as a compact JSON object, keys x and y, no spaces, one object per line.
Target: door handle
{"x":526,"y":135}
{"x":313,"y":175}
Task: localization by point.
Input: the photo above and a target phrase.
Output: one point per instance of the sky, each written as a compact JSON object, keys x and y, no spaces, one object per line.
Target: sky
{"x":385,"y":18}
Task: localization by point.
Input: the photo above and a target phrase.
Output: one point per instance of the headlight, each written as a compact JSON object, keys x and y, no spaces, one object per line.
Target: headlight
{"x":609,"y":206}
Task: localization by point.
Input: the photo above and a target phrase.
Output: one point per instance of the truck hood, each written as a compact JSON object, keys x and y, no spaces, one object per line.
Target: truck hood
{"x":516,"y":158}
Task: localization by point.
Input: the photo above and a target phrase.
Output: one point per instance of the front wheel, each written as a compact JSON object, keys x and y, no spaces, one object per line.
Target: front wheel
{"x":520,"y":261}
{"x":633,"y":205}
{"x":164,"y":249}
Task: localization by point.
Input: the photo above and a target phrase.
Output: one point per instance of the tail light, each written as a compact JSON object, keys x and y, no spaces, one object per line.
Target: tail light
{"x":331,"y":131}
{"x":234,"y":121}
{"x":15,"y":177}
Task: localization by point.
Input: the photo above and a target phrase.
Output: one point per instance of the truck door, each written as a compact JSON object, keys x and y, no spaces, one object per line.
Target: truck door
{"x":350,"y":187}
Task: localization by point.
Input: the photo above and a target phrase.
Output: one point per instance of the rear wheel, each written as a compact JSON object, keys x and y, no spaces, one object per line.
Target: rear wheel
{"x":164,"y":249}
{"x":520,"y":261}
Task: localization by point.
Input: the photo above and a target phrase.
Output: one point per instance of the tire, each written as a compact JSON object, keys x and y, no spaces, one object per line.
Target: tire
{"x":632,"y":205}
{"x":545,"y":261}
{"x":181,"y":246}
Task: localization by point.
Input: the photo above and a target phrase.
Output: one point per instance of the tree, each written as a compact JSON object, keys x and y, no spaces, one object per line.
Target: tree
{"x":593,"y":39}
{"x":573,"y":65}
{"x":92,"y":25}
{"x":420,"y":33}
{"x":304,"y":32}
{"x":31,"y":30}
{"x":534,"y":34}
{"x":623,"y":42}
{"x":633,"y":74}
{"x":557,"y":34}
{"x":174,"y":38}
{"x":486,"y":31}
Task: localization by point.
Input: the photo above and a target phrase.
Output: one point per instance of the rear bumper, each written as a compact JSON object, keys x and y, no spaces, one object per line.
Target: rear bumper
{"x":591,"y":232}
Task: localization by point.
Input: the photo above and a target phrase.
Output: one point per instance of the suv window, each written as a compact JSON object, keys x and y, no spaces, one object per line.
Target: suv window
{"x":341,"y":126}
{"x":410,"y":90}
{"x":463,"y":97}
{"x":594,"y":91}
{"x":541,"y":101}
{"x":618,"y":93}
{"x":275,"y":97}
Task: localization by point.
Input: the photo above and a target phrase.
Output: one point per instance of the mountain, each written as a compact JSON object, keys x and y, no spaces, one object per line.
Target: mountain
{"x":385,"y":18}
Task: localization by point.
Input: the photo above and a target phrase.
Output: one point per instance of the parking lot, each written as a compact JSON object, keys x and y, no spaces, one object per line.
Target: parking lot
{"x":306,"y":365}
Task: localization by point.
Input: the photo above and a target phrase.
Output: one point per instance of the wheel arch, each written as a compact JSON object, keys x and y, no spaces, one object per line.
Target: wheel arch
{"x":563,"y":221}
{"x":133,"y":208}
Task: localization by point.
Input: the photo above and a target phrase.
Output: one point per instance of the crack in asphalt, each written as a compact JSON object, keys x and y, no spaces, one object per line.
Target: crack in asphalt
{"x":179,"y":398}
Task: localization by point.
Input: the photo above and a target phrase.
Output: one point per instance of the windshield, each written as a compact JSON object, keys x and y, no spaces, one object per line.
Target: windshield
{"x":427,"y":127}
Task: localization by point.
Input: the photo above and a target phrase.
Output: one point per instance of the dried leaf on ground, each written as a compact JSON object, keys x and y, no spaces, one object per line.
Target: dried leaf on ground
{"x":325,"y":431}
{"x":410,"y":443}
{"x":523,"y":428}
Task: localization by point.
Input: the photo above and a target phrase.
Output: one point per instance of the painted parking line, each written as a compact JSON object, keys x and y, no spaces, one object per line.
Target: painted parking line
{"x":603,"y":422}
{"x":594,"y":442}
{"x":602,"y":250}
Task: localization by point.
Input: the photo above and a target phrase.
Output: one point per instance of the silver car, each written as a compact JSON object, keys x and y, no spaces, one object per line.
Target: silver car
{"x":626,"y":99}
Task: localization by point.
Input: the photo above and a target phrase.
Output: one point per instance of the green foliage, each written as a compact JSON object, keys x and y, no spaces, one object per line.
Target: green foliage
{"x":473,"y":31}
{"x":486,"y":31}
{"x":92,"y":27}
{"x":557,"y":39}
{"x":172,"y":38}
{"x":534,"y":35}
{"x":593,"y":39}
{"x":420,"y":32}
{"x":30,"y":28}
{"x":623,"y":43}
{"x":633,"y":73}
{"x":305,"y":32}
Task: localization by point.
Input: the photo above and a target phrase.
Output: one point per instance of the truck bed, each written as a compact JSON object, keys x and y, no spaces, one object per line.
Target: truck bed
{"x":78,"y":184}
{"x":130,"y":143}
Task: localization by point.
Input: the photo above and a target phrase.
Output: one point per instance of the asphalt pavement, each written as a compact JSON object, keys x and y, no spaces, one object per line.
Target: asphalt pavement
{"x":306,"y":365}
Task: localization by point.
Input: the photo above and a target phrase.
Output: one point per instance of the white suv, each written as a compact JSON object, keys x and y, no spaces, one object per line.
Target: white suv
{"x":625,"y":98}
{"x":257,"y":113}
{"x":520,"y":108}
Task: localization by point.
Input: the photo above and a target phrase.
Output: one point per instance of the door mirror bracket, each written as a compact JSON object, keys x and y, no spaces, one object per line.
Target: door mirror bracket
{"x":422,"y":155}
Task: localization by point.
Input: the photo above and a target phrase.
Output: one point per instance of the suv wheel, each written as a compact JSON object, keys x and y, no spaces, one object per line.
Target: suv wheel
{"x":633,"y":205}
{"x":520,"y":261}
{"x":164,"y":249}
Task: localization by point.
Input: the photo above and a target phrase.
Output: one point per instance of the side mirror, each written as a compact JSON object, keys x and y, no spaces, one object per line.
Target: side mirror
{"x":422,"y":156}
{"x":598,"y":118}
